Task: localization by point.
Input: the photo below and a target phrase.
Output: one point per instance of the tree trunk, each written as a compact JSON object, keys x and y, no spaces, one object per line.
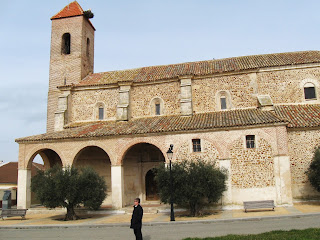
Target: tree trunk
{"x":192,"y":209}
{"x":71,"y":215}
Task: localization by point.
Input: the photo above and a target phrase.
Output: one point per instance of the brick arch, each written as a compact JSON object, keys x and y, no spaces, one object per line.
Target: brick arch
{"x":39,"y":150}
{"x":82,"y":146}
{"x":124,"y":150}
{"x":86,"y":147}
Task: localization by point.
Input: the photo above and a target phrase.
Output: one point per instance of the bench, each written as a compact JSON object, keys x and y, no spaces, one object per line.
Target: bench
{"x":14,"y":213}
{"x":258,"y":204}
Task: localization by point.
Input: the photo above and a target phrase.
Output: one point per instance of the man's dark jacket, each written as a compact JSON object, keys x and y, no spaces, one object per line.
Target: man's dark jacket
{"x":136,"y":220}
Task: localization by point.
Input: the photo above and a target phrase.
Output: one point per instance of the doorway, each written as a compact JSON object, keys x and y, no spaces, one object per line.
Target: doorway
{"x":151,"y":187}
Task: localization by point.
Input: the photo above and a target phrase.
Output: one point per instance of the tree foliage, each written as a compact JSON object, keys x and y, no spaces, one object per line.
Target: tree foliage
{"x":195,"y":184}
{"x":313,"y":172}
{"x":69,"y":188}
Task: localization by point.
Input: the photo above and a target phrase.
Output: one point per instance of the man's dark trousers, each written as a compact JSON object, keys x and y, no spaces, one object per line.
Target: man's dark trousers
{"x":136,"y":221}
{"x":137,"y":233}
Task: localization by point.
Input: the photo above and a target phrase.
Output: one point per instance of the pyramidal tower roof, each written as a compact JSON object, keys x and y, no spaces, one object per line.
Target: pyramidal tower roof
{"x":71,"y":10}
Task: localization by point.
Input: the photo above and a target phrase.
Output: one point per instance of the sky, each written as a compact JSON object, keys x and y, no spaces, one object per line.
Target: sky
{"x":131,"y":34}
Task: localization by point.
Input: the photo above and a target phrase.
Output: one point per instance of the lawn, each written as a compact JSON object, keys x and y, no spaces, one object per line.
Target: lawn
{"x":307,"y":234}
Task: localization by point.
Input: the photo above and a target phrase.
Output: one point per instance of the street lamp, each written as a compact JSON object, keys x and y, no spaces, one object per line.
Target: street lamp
{"x":170,"y":155}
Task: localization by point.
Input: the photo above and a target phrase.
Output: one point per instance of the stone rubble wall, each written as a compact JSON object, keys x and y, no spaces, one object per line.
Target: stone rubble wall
{"x":302,"y":145}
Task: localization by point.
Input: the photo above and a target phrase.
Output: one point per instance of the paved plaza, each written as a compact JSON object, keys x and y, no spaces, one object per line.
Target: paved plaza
{"x":44,"y":224}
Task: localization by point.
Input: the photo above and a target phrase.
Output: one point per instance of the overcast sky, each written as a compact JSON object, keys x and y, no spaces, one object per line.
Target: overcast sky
{"x":133,"y":33}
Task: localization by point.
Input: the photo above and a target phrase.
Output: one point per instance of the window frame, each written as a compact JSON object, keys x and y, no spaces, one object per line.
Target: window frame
{"x":314,"y":95}
{"x":223,"y":105}
{"x":100,"y":113}
{"x":250,"y":141}
{"x":157,"y":109}
{"x":196,"y":145}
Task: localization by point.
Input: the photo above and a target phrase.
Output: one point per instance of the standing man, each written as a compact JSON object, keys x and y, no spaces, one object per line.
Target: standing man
{"x":136,"y":220}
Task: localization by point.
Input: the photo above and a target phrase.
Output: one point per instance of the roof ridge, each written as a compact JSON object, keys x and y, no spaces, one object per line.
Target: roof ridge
{"x":211,"y":60}
{"x":71,"y":10}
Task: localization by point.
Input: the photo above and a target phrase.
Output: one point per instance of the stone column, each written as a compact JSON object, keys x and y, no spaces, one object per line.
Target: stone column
{"x":225,"y":164}
{"x":117,"y":186}
{"x":124,"y":102}
{"x":60,"y":116}
{"x":186,"y":95}
{"x":282,"y":175}
{"x":24,"y":191}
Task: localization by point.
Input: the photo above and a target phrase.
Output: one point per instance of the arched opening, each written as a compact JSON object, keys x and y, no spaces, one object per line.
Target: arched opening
{"x":66,"y":43}
{"x":223,"y":100}
{"x":137,"y":162}
{"x":156,"y":107}
{"x":41,"y":160}
{"x":152,"y":193}
{"x":88,"y":47}
{"x":98,"y":159}
{"x":309,"y":91}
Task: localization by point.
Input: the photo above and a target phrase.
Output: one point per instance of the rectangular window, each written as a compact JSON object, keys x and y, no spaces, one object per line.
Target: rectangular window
{"x":223,"y":102}
{"x":309,"y":93}
{"x":101,"y":113}
{"x":250,"y":141}
{"x":157,"y":108}
{"x":196,"y":144}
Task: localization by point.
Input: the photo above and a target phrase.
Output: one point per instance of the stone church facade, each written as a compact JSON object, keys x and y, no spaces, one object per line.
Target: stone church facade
{"x":256,"y":116}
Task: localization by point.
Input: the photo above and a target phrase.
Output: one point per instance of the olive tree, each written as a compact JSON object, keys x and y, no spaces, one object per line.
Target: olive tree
{"x":313,"y":172}
{"x":195,"y":184}
{"x":69,"y":188}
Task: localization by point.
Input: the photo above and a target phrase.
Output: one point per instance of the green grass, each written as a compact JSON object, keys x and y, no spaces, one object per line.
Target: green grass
{"x":307,"y":234}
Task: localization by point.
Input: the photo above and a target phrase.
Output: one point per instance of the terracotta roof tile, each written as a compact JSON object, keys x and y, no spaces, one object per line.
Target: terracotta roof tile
{"x":300,"y":116}
{"x":202,"y":68}
{"x":71,"y":10}
{"x":163,"y":124}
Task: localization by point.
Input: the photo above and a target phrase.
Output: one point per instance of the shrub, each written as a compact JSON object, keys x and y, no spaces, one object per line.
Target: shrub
{"x":195,"y":184}
{"x":313,"y":172}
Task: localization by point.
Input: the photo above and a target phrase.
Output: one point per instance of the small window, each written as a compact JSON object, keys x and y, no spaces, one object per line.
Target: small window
{"x":88,"y":46}
{"x":196,"y":145}
{"x":223,"y":102}
{"x":250,"y":141}
{"x":157,"y":108}
{"x":66,"y":43}
{"x":101,"y":113}
{"x":309,"y":92}
{"x":65,"y":81}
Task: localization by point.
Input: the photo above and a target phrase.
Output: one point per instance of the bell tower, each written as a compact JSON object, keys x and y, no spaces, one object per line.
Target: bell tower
{"x":71,"y":53}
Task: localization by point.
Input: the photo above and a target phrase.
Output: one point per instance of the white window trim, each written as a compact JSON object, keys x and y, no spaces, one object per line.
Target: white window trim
{"x":310,"y":83}
{"x":152,"y":107}
{"x":227,"y":95}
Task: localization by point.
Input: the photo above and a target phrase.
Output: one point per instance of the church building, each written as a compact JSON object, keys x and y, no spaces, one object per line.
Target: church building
{"x":257,"y":116}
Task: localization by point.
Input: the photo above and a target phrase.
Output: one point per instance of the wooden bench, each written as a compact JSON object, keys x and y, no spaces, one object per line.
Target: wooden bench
{"x":13,"y":213}
{"x":258,"y":204}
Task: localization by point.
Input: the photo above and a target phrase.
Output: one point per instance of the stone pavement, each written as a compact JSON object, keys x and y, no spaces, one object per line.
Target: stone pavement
{"x":36,"y":218}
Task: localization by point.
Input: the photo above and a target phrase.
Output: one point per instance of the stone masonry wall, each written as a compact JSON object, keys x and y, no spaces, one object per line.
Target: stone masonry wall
{"x":252,"y":168}
{"x":141,"y":97}
{"x":285,"y":86}
{"x":301,"y":149}
{"x":204,"y":92}
{"x":208,"y":152}
{"x":90,"y":99}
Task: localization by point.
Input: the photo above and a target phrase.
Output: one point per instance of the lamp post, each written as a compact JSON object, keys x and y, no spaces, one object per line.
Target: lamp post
{"x":170,"y":155}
